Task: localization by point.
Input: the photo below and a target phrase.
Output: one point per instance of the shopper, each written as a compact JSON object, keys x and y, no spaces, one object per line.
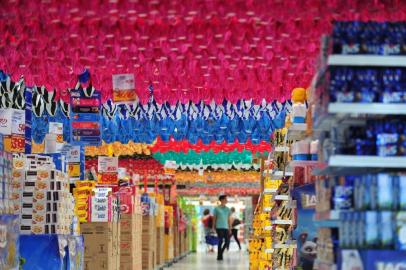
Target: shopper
{"x":207,"y":221}
{"x":222,"y":224}
{"x":235,"y":225}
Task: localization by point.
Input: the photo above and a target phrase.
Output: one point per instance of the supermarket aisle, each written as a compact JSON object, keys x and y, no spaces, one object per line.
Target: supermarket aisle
{"x":237,"y":260}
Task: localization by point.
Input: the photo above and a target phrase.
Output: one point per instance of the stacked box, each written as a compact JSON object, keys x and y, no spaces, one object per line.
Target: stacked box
{"x":160,"y":231}
{"x":182,"y":242}
{"x":81,"y":193}
{"x":148,"y":242}
{"x":169,"y":245}
{"x":176,"y":251}
{"x":41,"y":196}
{"x":102,"y":245}
{"x":160,"y":240}
{"x":130,"y":242}
{"x":7,"y":202}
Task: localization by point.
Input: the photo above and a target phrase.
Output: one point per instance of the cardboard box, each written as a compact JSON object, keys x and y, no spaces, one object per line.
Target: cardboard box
{"x":148,"y":260}
{"x":159,"y":252}
{"x":169,"y":245}
{"x":101,"y":241}
{"x":130,"y":246}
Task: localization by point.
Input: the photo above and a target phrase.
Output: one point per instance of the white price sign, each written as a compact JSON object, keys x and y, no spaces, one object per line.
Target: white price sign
{"x":56,"y":128}
{"x":73,"y":155}
{"x":170,"y":164}
{"x":18,"y":122}
{"x":107,"y":164}
{"x":5,"y":121}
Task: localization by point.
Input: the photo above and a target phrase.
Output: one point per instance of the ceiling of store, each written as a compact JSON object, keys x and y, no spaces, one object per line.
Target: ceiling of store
{"x":187,"y":50}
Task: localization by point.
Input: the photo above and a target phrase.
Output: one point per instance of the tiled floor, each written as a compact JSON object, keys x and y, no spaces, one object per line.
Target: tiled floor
{"x":236,"y":260}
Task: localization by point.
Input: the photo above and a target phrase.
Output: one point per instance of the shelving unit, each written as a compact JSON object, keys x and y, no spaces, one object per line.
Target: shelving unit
{"x":278,"y":246}
{"x":305,"y":163}
{"x":352,"y":161}
{"x":367,"y":60}
{"x":268,"y":208}
{"x":282,"y":149}
{"x":340,"y":116}
{"x":367,"y":108}
{"x":278,"y":174}
{"x":282,"y":222}
{"x":282,"y":198}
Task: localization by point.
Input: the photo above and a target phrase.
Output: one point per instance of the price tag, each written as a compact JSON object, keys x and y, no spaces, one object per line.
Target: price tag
{"x":73,"y":155}
{"x":5,"y":121}
{"x":107,"y":164}
{"x":18,"y":122}
{"x":124,"y":88}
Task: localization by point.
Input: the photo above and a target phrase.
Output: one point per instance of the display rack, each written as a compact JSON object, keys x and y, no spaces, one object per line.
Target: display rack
{"x":331,"y":218}
{"x":263,"y":243}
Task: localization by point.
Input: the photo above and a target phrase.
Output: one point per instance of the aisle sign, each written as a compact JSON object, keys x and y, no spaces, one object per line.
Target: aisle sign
{"x":107,"y":164}
{"x":124,"y":88}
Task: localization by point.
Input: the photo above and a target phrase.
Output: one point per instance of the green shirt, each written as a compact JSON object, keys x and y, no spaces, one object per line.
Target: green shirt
{"x":222,"y":215}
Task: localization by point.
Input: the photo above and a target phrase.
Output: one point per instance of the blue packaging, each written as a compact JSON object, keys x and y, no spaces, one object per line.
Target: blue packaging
{"x":400,"y":230}
{"x":387,"y":144}
{"x":371,"y":229}
{"x":343,"y":197}
{"x":386,"y":232}
{"x":385,"y":194}
{"x":361,"y":230}
{"x":343,"y":239}
{"x":298,"y":119}
{"x":402,"y":192}
{"x":353,"y":227}
{"x":372,"y":186}
{"x":300,"y":157}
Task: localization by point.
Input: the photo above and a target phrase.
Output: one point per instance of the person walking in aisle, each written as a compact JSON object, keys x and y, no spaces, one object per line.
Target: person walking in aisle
{"x":222,"y":224}
{"x":207,"y":221}
{"x":235,"y":225}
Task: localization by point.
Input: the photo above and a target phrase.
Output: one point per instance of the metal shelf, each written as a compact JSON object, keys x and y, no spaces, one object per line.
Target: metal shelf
{"x":276,"y":174}
{"x":330,"y":215}
{"x":367,"y":108}
{"x":366,"y":60}
{"x":282,"y":149}
{"x":305,"y":163}
{"x":353,"y":161}
{"x":282,"y":222}
{"x":275,"y":246}
{"x":281,"y":198}
{"x":328,"y":219}
{"x":270,"y":190}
